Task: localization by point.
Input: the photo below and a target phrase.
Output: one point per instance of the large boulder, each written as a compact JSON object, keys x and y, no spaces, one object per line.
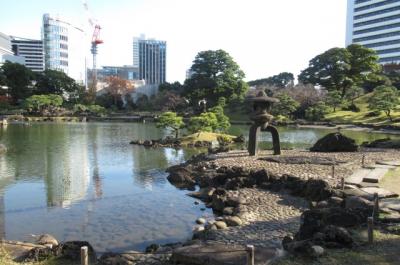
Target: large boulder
{"x":47,"y":240}
{"x":335,"y":142}
{"x":181,"y":177}
{"x":72,"y":250}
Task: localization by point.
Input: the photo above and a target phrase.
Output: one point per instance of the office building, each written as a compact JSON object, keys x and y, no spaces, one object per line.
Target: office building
{"x":6,"y":53}
{"x":376,"y":25}
{"x":126,"y":72}
{"x":31,"y":50}
{"x":64,"y":47}
{"x":149,"y":56}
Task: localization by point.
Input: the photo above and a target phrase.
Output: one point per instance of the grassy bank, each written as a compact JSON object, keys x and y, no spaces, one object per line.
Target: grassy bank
{"x":203,"y":136}
{"x":365,"y":116}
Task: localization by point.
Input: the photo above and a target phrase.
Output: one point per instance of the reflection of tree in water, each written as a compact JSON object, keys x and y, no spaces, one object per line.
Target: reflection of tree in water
{"x":149,"y":164}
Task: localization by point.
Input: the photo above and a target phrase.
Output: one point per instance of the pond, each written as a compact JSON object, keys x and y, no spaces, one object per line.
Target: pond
{"x":83,"y":181}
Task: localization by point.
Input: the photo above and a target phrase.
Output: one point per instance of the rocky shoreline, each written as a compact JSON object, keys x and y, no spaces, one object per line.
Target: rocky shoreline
{"x":293,"y":201}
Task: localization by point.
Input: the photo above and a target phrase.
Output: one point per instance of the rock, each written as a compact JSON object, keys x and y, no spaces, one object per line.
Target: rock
{"x":152,"y":248}
{"x":260,"y":176}
{"x":384,"y":143}
{"x":235,"y":201}
{"x":47,"y":239}
{"x":38,"y":254}
{"x":181,"y":177}
{"x":354,"y":202}
{"x":338,"y":235}
{"x":316,"y":190}
{"x":72,"y":250}
{"x":220,"y":225}
{"x":201,"y":221}
{"x":199,"y":229}
{"x":219,"y":254}
{"x":218,"y":203}
{"x":228,"y":211}
{"x":316,"y":251}
{"x":3,"y":148}
{"x":233,"y":221}
{"x":335,"y":142}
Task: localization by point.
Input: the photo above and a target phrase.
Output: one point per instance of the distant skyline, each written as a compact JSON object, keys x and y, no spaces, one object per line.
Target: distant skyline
{"x":264,"y":37}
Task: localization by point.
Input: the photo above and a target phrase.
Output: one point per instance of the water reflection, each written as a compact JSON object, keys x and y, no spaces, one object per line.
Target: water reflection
{"x":85,"y":182}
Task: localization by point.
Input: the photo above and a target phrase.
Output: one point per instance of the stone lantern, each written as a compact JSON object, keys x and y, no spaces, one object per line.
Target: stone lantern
{"x":261,"y":122}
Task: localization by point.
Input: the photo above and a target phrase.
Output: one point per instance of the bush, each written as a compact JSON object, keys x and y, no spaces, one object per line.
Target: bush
{"x":223,"y":123}
{"x":80,"y":109}
{"x":43,"y":104}
{"x":206,"y":122}
{"x":316,"y":112}
{"x":224,"y":140}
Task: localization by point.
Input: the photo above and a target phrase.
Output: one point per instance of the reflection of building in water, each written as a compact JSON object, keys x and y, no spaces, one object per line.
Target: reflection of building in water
{"x":68,"y":176}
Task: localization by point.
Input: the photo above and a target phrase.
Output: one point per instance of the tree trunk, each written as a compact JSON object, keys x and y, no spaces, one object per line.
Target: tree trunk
{"x":176,"y":134}
{"x":388,"y":114}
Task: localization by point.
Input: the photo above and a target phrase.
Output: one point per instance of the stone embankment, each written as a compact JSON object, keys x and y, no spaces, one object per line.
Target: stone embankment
{"x":259,"y":200}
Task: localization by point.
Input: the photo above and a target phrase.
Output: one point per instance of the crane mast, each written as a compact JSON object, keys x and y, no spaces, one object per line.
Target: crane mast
{"x":94,"y":42}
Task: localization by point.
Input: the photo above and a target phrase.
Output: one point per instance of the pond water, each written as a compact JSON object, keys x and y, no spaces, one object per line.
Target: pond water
{"x":83,"y":181}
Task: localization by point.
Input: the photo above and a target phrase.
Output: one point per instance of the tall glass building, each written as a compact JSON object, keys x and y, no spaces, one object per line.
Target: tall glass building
{"x":64,"y":47}
{"x":149,"y":56}
{"x":376,"y":25}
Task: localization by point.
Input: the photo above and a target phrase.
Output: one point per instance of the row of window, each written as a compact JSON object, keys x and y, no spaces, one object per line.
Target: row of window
{"x":64,"y":38}
{"x":387,"y":2}
{"x":64,"y":63}
{"x":361,"y":1}
{"x":63,"y":54}
{"x":390,"y":59}
{"x":379,"y":12}
{"x":388,"y":51}
{"x":382,"y":43}
{"x":391,"y":26}
{"x":64,"y":46}
{"x":378,"y":36}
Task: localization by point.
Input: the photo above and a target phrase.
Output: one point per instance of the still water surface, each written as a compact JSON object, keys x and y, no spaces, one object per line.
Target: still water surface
{"x":85,"y":182}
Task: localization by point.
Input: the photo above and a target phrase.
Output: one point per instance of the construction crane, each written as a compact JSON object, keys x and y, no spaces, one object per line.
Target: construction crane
{"x":94,"y":42}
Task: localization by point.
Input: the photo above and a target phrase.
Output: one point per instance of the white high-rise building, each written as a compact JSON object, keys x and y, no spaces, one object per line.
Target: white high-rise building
{"x":376,"y":25}
{"x":31,"y":50}
{"x":64,"y":47}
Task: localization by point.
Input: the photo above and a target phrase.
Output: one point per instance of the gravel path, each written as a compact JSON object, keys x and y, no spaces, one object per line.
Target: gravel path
{"x":268,"y":218}
{"x":351,"y":162}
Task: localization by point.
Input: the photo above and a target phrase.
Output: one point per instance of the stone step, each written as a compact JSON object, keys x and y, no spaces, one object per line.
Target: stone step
{"x":395,"y":163}
{"x":357,"y":177}
{"x":382,"y":193}
{"x":381,"y":166}
{"x":220,"y":254}
{"x":392,"y":204}
{"x":375,"y":175}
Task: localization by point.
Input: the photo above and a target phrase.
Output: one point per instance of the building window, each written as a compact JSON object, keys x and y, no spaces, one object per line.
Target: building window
{"x":391,"y":26}
{"x":387,"y":2}
{"x":374,"y":13}
{"x":378,"y":36}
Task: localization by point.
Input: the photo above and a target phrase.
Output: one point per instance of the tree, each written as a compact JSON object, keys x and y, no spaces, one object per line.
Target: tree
{"x":353,"y":93}
{"x":317,"y":111}
{"x":334,"y":99}
{"x":280,"y":80}
{"x":215,"y":75}
{"x":385,"y":98}
{"x":286,"y":105}
{"x":341,"y":68}
{"x":172,"y":121}
{"x":167,"y":100}
{"x":43,"y":103}
{"x":59,"y":83}
{"x":18,"y":79}
{"x":223,"y":123}
{"x":171,"y":87}
{"x":118,"y":87}
{"x":206,"y":122}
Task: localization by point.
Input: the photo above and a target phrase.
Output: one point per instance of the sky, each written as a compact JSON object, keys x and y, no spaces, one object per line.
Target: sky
{"x":265,"y":37}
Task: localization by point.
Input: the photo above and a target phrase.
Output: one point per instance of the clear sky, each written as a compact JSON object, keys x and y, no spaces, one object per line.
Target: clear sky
{"x":264,"y":37}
